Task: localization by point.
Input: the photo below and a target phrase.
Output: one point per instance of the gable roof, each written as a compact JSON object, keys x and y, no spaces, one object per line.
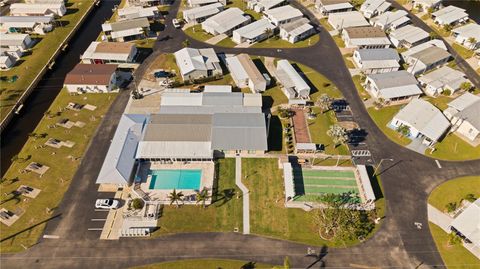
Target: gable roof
{"x":255,"y":28}
{"x":464,"y":101}
{"x":469,"y":30}
{"x":471,"y":114}
{"x":444,"y":77}
{"x":239,"y":131}
{"x":424,"y":117}
{"x":283,"y":13}
{"x":91,"y":74}
{"x":378,"y":54}
{"x":347,"y":19}
{"x":468,"y":223}
{"x":430,"y":55}
{"x":191,"y":59}
{"x":203,"y":11}
{"x":432,"y":43}
{"x":226,"y":20}
{"x":409,"y":33}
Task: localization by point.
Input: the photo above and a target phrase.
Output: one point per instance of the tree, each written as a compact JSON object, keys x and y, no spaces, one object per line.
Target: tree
{"x":472,"y":41}
{"x":186,"y":43}
{"x":175,"y":197}
{"x":466,"y":86}
{"x":202,"y":196}
{"x":404,"y":130}
{"x":324,"y":102}
{"x":269,"y":33}
{"x":338,"y":134}
{"x":430,"y":10}
{"x":137,"y":203}
{"x":450,"y":207}
{"x":454,"y":239}
{"x":447,"y":27}
{"x":433,"y":35}
{"x":470,"y":197}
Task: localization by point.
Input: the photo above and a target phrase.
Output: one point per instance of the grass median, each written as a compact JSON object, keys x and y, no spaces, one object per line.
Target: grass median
{"x":30,"y":65}
{"x":63,"y":163}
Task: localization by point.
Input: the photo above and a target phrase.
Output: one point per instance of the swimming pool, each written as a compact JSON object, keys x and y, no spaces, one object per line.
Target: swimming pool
{"x":175,"y":179}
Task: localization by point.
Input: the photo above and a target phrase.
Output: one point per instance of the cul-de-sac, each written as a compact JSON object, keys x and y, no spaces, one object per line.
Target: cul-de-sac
{"x":240,"y":134}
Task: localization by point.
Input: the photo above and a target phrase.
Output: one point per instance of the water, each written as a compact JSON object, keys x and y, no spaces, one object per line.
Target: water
{"x":176,"y":179}
{"x":472,"y":8}
{"x":16,"y":133}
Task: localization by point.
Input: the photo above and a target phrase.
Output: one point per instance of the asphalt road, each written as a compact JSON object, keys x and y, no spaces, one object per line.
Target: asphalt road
{"x":407,"y":181}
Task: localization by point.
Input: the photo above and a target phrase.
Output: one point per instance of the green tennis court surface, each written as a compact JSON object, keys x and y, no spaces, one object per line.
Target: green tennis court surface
{"x":310,"y":184}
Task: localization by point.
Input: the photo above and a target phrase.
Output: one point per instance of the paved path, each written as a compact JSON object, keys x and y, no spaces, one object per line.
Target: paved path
{"x":214,"y":40}
{"x":439,"y":218}
{"x":245,"y":196}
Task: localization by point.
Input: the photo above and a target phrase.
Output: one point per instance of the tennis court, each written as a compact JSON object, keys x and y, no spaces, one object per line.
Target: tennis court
{"x":309,"y":183}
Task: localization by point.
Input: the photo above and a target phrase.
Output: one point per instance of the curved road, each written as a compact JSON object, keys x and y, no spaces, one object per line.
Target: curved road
{"x":398,"y":243}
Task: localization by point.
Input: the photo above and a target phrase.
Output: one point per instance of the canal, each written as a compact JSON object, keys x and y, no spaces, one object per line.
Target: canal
{"x":16,"y":133}
{"x":472,"y":8}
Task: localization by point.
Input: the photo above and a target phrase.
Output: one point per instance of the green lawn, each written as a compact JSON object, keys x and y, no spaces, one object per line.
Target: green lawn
{"x":441,"y":101}
{"x":339,"y":41}
{"x":204,"y":264}
{"x":464,"y":52}
{"x":331,"y":162}
{"x":321,"y":83}
{"x":453,"y":148}
{"x":145,"y":43}
{"x":30,"y":65}
{"x":454,"y":256}
{"x":268,"y":215}
{"x":454,"y":191}
{"x":357,"y":80}
{"x":224,"y":215}
{"x":382,"y":117}
{"x":276,"y":42}
{"x":348,"y":60}
{"x":226,"y":42}
{"x":197,"y":33}
{"x":325,"y":24}
{"x":318,"y":132}
{"x":56,"y":180}
{"x":276,"y":95}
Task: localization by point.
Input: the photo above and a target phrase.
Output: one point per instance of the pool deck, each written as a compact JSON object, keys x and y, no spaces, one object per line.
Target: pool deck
{"x":161,"y":196}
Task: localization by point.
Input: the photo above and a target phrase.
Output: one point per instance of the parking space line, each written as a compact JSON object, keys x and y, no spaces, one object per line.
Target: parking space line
{"x":438,"y":164}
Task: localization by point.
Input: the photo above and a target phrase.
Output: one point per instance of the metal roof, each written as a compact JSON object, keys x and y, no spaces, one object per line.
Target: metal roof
{"x":366,"y":183}
{"x":391,"y":18}
{"x":126,"y":25}
{"x":255,"y":28}
{"x":191,"y":59}
{"x":424,"y":117}
{"x":242,"y":131}
{"x":283,"y":13}
{"x":432,"y":43}
{"x":430,"y":55}
{"x":469,"y":30}
{"x":409,"y":33}
{"x":203,"y":11}
{"x":393,"y":79}
{"x":12,"y":39}
{"x":218,"y":88}
{"x":25,"y":21}
{"x":471,"y":114}
{"x":375,"y":5}
{"x":242,"y":67}
{"x":464,"y":101}
{"x":468,"y":221}
{"x":117,"y":51}
{"x":444,"y":77}
{"x":120,"y":159}
{"x":226,"y":20}
{"x":171,"y":127}
{"x":347,"y":19}
{"x":222,"y":98}
{"x":288,"y":180}
{"x":450,"y":14}
{"x":378,"y":54}
{"x":268,"y":4}
{"x":290,"y":78}
{"x":338,"y":6}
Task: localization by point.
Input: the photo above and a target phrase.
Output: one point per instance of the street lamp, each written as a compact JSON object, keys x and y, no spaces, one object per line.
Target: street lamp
{"x":378,"y":165}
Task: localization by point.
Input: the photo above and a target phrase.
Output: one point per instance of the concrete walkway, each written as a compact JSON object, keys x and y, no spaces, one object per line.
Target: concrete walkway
{"x":214,"y":40}
{"x":439,"y":218}
{"x":245,"y":197}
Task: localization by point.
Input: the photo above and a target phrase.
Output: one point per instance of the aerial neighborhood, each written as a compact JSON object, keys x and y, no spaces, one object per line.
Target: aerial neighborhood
{"x":213,"y":130}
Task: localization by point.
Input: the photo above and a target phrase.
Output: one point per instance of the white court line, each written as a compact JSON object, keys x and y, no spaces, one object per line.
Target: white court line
{"x":98,"y":219}
{"x":95,"y":229}
{"x":438,"y":164}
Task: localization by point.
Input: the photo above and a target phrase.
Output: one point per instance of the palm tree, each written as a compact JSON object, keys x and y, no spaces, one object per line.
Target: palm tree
{"x":175,"y":197}
{"x":433,"y":35}
{"x":269,"y":33}
{"x":404,"y":130}
{"x":472,"y":41}
{"x":202,"y":196}
{"x":338,"y":134}
{"x":466,"y":86}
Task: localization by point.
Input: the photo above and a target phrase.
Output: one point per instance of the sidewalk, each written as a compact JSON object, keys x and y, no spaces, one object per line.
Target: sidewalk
{"x":439,"y":218}
{"x":245,"y":196}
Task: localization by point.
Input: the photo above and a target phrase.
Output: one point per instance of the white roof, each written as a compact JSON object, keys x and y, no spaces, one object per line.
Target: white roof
{"x":366,"y":184}
{"x":24,"y":21}
{"x":469,"y":30}
{"x":468,"y":223}
{"x":375,"y":5}
{"x":446,"y":10}
{"x":379,"y":58}
{"x":252,"y":99}
{"x":396,"y":84}
{"x":283,"y":13}
{"x":120,"y":159}
{"x":464,"y":101}
{"x":424,"y":117}
{"x":444,"y":77}
{"x":268,"y":4}
{"x":434,"y":42}
{"x":288,"y":180}
{"x":35,"y":8}
{"x":333,"y":7}
{"x":391,"y":18}
{"x":226,"y":20}
{"x":174,"y":149}
{"x":190,"y":59}
{"x":134,"y":12}
{"x":242,"y":67}
{"x":450,"y":14}
{"x":289,"y":77}
{"x":181,"y":99}
{"x":347,"y":19}
{"x":306,"y":146}
{"x":201,"y":2}
{"x":203,"y":11}
{"x":255,"y":29}
{"x":409,"y":33}
{"x":128,"y":32}
{"x":218,"y":88}
{"x":297,"y":27}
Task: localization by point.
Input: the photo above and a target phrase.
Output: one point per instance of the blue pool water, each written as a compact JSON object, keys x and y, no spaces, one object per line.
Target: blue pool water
{"x":176,"y":179}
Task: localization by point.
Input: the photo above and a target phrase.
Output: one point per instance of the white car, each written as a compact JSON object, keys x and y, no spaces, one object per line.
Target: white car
{"x":176,"y":23}
{"x":106,"y":203}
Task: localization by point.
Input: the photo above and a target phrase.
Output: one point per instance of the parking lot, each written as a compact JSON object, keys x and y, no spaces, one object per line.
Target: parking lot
{"x":97,"y":217}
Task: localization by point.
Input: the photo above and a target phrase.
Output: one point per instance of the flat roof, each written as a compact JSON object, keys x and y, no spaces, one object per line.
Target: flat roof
{"x":255,"y":28}
{"x":283,"y":13}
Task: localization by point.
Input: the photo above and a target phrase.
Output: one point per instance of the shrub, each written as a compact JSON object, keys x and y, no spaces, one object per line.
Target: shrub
{"x":137,"y":203}
{"x":450,"y":207}
{"x":447,"y":92}
{"x":470,"y":197}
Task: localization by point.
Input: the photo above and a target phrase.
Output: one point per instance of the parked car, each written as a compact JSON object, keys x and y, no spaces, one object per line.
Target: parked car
{"x":106,"y":203}
{"x":176,"y":23}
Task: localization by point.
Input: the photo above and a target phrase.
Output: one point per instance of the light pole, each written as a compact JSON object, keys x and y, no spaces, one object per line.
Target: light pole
{"x":378,"y":165}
